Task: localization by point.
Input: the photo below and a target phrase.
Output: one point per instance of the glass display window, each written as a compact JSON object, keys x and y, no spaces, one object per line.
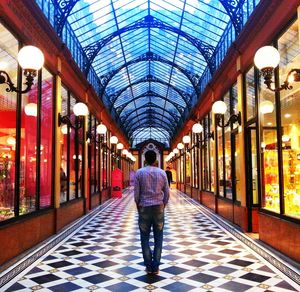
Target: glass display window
{"x":289,"y":49}
{"x":212,"y":156}
{"x":64,"y":142}
{"x":8,"y":106}
{"x":250,"y":95}
{"x":46,"y":139}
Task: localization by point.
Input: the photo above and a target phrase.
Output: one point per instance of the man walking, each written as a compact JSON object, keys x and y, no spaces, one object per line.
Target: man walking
{"x":151,"y":194}
{"x":169,"y":175}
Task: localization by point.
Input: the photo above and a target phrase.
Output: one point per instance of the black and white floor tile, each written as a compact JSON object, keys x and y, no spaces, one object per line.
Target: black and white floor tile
{"x":198,"y":255}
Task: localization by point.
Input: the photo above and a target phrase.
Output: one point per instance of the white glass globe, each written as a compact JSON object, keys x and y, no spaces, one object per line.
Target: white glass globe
{"x":186,"y":139}
{"x":219,"y":107}
{"x":124,"y":151}
{"x":133,"y":159}
{"x":197,"y":128}
{"x":266,"y":107}
{"x":64,"y":129}
{"x":180,"y":146}
{"x":11,"y":141}
{"x":80,"y":109}
{"x":266,"y":57}
{"x":176,"y":151}
{"x":172,"y":154}
{"x":285,"y":138}
{"x":101,"y":129}
{"x":113,"y":140}
{"x":30,"y":57}
{"x":31,"y":109}
{"x":120,"y":146}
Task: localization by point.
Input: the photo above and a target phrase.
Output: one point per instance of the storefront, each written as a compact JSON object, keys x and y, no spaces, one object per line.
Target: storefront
{"x":250,"y":169}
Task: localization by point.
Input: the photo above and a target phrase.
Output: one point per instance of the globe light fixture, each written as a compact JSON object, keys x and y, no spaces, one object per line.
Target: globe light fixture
{"x":197,"y":128}
{"x":266,"y":59}
{"x":31,"y":59}
{"x":186,"y":139}
{"x":80,"y":110}
{"x":219,"y":108}
{"x":31,"y":109}
{"x":266,"y":107}
{"x":124,"y":152}
{"x":120,"y":146}
{"x":175,"y":151}
{"x":101,"y":129}
{"x":114,"y":140}
{"x":180,"y":146}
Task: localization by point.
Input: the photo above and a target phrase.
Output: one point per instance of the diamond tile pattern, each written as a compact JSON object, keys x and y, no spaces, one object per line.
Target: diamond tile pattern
{"x":198,"y":255}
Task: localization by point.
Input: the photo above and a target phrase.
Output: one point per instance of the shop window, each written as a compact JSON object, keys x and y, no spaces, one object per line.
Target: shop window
{"x":46,"y":139}
{"x":8,"y":106}
{"x":211,"y":145}
{"x":188,"y":168}
{"x":289,"y":49}
{"x":220,"y":161}
{"x":64,"y":142}
{"x":250,"y":94}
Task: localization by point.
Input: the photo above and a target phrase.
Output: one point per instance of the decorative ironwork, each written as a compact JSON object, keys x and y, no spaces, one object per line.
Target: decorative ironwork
{"x":150,"y":93}
{"x":151,"y":105}
{"x":149,"y":21}
{"x":63,"y":9}
{"x":149,"y":56}
{"x":150,"y":78}
{"x":235,"y":12}
{"x":5,"y":79}
{"x":153,"y":123}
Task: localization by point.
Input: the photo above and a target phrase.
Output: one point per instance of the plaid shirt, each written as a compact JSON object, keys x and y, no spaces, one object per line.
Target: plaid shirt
{"x":151,"y":187}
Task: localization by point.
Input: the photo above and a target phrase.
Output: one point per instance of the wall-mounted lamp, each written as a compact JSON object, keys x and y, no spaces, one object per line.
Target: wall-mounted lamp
{"x":198,"y":129}
{"x":219,"y":108}
{"x":266,"y":59}
{"x":266,"y":107}
{"x":180,"y":146}
{"x":31,"y":59}
{"x":101,"y":131}
{"x":80,"y":110}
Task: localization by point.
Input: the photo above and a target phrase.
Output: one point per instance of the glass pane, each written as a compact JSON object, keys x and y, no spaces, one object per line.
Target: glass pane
{"x":64,"y":148}
{"x":212,"y":157}
{"x":289,"y":49}
{"x":238,"y":172}
{"x":46,"y":140}
{"x":188,"y":168}
{"x":228,"y":178}
{"x":269,"y":149}
{"x":270,"y":176}
{"x":28,"y":151}
{"x":250,"y":94}
{"x":8,"y":104}
{"x":220,"y":161}
{"x":73,"y":154}
{"x":254,"y":168}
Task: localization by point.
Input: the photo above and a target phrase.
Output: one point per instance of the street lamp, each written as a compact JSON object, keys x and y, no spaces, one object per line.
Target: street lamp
{"x":266,"y":59}
{"x":80,"y":110}
{"x":219,"y":108}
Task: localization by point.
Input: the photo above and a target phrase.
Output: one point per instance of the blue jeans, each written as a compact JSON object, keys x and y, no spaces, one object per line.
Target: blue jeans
{"x":152,"y":216}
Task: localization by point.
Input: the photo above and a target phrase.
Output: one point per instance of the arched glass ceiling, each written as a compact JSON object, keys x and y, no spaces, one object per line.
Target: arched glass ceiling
{"x":150,"y":57}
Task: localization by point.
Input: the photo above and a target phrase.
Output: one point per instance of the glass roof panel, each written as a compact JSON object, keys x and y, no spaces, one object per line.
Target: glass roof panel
{"x":122,"y":41}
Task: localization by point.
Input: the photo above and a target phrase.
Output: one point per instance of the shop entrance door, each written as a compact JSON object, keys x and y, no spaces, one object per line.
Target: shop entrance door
{"x":252,"y":196}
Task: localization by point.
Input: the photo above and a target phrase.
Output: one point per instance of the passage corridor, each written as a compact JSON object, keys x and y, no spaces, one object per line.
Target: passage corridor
{"x":104,"y":254}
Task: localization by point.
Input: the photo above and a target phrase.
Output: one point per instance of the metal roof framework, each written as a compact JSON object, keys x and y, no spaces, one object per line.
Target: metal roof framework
{"x":149,"y":60}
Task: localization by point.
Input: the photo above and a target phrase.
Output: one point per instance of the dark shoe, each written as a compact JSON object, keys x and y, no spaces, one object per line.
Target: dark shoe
{"x":155,"y":272}
{"x":148,"y":271}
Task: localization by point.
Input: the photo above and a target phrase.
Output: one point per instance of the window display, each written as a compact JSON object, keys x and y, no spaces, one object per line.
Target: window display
{"x":8,"y":106}
{"x":289,"y":49}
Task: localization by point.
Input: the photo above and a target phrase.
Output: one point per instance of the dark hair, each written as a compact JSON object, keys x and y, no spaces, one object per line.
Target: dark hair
{"x":150,"y":157}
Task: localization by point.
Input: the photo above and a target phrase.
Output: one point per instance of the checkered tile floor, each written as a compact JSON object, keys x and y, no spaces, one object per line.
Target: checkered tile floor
{"x":198,"y":255}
